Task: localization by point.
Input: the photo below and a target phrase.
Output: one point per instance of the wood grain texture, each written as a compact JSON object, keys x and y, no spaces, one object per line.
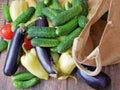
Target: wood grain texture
{"x":54,"y":84}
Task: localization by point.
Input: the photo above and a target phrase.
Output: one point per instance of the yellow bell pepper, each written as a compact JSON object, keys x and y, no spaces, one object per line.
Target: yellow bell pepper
{"x":17,"y":7}
{"x":31,"y":3}
{"x":32,"y":64}
{"x":66,"y":63}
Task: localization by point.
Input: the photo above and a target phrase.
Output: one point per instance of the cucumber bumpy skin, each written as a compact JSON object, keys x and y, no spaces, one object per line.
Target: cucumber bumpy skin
{"x":44,"y":42}
{"x":44,"y":32}
{"x":66,"y":15}
{"x":23,"y":18}
{"x":67,"y":42}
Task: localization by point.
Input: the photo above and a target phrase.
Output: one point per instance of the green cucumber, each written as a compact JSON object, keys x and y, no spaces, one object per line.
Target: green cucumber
{"x":50,"y":13}
{"x":44,"y":42}
{"x":23,"y":18}
{"x":3,"y":45}
{"x":22,"y":76}
{"x":66,"y":15}
{"x":68,"y":41}
{"x":45,"y":32}
{"x":67,"y":28}
{"x":38,"y":12}
{"x":6,"y":13}
{"x":56,"y":4}
{"x":82,"y":3}
{"x":82,"y":21}
{"x":26,"y":84}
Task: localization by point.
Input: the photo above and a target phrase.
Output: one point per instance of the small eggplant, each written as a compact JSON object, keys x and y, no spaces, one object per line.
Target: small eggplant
{"x":14,"y":53}
{"x":42,"y":53}
{"x":99,"y":81}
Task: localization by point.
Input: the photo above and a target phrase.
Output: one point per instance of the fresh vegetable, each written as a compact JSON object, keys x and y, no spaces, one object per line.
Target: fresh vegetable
{"x":44,"y":42}
{"x":82,"y":21}
{"x":50,"y":13}
{"x":45,"y":59}
{"x":66,"y":15}
{"x":43,"y":54}
{"x":17,"y":7}
{"x":6,"y":31}
{"x":44,"y":32}
{"x":83,"y":3}
{"x":32,"y":64}
{"x":26,"y":84}
{"x":27,"y":44}
{"x":31,"y":3}
{"x":3,"y":45}
{"x":41,"y":22}
{"x":67,"y":28}
{"x":97,"y":82}
{"x":22,"y":76}
{"x":67,"y":42}
{"x":56,"y":4}
{"x":23,"y":18}
{"x":14,"y":52}
{"x":6,"y":13}
{"x":68,"y":5}
{"x":66,"y":63}
{"x":39,"y":7}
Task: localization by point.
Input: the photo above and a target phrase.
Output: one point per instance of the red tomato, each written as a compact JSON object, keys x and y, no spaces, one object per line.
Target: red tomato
{"x":6,"y":32}
{"x":27,"y":44}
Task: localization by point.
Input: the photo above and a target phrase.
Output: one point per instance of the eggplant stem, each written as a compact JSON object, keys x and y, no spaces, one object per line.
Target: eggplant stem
{"x":24,"y":49}
{"x":30,"y":22}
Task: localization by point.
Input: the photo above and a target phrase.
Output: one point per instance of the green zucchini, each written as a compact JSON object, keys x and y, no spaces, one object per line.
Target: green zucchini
{"x":22,"y":76}
{"x":82,"y":3}
{"x":3,"y":45}
{"x":44,"y":42}
{"x":68,"y":41}
{"x":38,"y":12}
{"x":23,"y":18}
{"x":66,"y":15}
{"x":45,"y":32}
{"x":56,"y":4}
{"x":82,"y":21}
{"x":67,"y":28}
{"x":6,"y":13}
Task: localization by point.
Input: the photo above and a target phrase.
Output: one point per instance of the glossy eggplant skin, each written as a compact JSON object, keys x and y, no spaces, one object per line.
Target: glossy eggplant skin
{"x":14,"y":53}
{"x":100,"y":81}
{"x":43,"y":53}
{"x":42,"y":22}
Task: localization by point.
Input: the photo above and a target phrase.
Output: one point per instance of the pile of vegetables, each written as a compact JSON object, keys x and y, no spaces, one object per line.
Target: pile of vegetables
{"x":41,"y":37}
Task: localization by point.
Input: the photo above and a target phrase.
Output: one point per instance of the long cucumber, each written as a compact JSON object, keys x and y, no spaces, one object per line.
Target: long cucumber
{"x":23,"y":18}
{"x":68,"y":41}
{"x":45,"y":32}
{"x":66,"y":15}
{"x":82,"y":3}
{"x":6,"y":13}
{"x":67,"y":28}
{"x":38,"y":12}
{"x":44,"y":42}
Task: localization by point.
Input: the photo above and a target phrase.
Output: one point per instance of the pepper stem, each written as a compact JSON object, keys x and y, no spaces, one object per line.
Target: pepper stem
{"x":24,"y":49}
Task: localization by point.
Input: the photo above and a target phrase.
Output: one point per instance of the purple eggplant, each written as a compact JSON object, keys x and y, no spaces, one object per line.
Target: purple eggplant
{"x":99,"y":81}
{"x":14,"y":53}
{"x":43,"y":53}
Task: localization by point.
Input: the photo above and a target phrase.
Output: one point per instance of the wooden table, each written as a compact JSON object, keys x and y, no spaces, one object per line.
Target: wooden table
{"x":54,"y":84}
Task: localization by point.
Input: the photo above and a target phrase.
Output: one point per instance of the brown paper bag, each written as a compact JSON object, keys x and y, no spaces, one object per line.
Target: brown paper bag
{"x":107,"y":49}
